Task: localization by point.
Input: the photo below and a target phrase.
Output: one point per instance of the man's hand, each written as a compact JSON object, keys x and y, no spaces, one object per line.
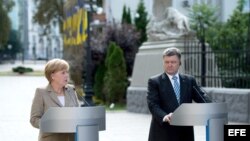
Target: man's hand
{"x":167,"y":118}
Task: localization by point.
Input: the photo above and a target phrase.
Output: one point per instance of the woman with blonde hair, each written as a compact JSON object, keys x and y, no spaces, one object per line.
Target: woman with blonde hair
{"x":57,"y":93}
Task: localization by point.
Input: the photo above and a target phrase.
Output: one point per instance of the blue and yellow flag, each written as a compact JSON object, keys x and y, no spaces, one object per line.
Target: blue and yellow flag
{"x":75,"y":26}
{"x":82,"y":26}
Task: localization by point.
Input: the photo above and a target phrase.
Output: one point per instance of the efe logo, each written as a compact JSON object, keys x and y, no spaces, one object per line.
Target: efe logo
{"x":236,"y":132}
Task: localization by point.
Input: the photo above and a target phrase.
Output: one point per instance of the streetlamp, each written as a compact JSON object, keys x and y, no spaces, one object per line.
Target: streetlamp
{"x":34,"y":52}
{"x":202,"y":27}
{"x":9,"y":50}
{"x":48,"y":51}
{"x":9,"y":47}
{"x":88,"y":85}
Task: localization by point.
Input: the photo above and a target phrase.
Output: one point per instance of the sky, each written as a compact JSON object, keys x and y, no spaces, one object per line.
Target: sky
{"x":14,"y":16}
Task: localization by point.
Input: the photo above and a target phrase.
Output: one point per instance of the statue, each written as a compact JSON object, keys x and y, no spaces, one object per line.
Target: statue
{"x":170,"y":24}
{"x":159,"y":7}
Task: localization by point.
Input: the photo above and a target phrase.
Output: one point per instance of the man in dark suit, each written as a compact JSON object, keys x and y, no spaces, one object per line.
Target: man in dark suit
{"x":166,"y":92}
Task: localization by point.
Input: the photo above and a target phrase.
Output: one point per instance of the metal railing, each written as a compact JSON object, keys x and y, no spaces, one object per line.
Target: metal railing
{"x":228,"y":68}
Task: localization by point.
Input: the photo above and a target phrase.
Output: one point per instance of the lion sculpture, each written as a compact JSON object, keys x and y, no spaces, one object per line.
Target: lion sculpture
{"x":172,"y":25}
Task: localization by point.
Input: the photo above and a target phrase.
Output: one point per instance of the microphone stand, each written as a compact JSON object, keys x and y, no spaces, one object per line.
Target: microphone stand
{"x":199,"y":94}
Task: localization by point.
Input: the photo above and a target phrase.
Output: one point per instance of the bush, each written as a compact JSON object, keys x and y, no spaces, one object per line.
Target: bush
{"x":99,"y":82}
{"x":22,"y":70}
{"x":125,"y":36}
{"x":115,"y":76}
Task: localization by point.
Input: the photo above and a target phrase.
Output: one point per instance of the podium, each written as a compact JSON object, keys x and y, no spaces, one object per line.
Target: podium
{"x":212,"y":115}
{"x":84,"y":121}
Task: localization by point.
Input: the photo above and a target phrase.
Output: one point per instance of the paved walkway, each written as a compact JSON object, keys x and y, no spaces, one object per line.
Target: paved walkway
{"x":15,"y":101}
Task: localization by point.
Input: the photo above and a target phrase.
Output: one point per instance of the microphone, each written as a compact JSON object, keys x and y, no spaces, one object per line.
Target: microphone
{"x":85,"y":103}
{"x":81,"y":97}
{"x":199,"y":94}
{"x":209,"y":96}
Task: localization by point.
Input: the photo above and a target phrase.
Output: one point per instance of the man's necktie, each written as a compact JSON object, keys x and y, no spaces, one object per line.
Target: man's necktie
{"x":176,"y":88}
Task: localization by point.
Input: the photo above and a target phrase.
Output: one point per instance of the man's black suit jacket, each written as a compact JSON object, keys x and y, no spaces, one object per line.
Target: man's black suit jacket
{"x":162,"y":101}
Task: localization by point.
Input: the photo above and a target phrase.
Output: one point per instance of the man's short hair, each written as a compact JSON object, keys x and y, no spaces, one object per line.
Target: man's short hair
{"x":171,"y":52}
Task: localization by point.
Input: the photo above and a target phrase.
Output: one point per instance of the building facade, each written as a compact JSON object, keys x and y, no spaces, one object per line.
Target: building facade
{"x":35,"y":44}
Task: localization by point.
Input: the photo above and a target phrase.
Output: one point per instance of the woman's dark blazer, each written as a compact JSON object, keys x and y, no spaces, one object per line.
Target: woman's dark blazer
{"x":161,"y":101}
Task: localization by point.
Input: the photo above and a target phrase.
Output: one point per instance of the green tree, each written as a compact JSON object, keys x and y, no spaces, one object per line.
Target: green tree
{"x":116,"y":76}
{"x":129,"y":21}
{"x":236,"y":31}
{"x":111,"y":49}
{"x":233,"y":34}
{"x":5,"y":23}
{"x":229,"y":37}
{"x":202,"y":18}
{"x":141,"y":20}
{"x":237,"y":27}
{"x":99,"y":82}
{"x":49,"y":11}
{"x":99,"y":86}
{"x":126,"y":15}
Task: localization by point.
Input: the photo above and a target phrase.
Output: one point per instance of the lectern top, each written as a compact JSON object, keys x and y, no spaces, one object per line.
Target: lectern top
{"x":198,"y":113}
{"x":66,"y":119}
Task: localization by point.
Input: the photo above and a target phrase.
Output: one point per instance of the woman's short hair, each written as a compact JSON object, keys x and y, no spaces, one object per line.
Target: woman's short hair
{"x":55,"y":65}
{"x":171,"y":52}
